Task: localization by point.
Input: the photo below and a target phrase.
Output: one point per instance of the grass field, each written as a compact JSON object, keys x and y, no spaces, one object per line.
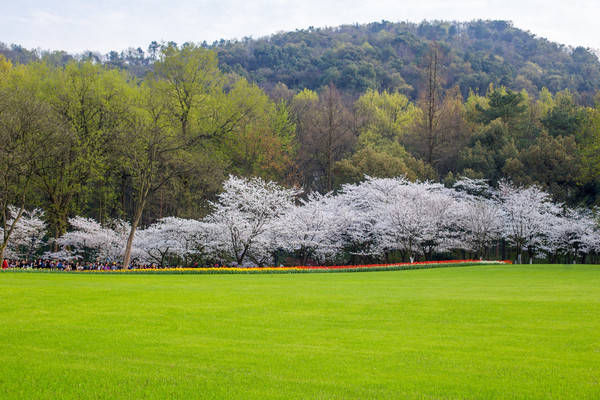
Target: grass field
{"x":484,"y":332}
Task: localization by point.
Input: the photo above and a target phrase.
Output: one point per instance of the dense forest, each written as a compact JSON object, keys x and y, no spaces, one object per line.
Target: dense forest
{"x":393,"y":56}
{"x":141,"y":135}
{"x":381,"y":56}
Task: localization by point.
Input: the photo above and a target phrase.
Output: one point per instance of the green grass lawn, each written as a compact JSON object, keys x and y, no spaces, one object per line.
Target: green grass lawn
{"x":484,"y":332}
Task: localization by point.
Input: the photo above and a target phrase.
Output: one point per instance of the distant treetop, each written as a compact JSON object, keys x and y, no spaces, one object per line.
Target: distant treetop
{"x":383,"y":56}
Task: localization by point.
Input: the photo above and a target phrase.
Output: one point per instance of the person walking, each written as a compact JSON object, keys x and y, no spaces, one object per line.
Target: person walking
{"x":4,"y":264}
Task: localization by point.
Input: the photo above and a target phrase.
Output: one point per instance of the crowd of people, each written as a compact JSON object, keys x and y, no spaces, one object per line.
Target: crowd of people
{"x":62,"y":265}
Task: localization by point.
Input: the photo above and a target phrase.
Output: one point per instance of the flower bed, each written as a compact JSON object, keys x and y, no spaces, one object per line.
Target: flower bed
{"x":291,"y":270}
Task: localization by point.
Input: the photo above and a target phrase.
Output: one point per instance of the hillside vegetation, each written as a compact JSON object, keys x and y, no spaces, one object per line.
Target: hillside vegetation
{"x":382,"y":56}
{"x":392,"y":56}
{"x":314,"y":108}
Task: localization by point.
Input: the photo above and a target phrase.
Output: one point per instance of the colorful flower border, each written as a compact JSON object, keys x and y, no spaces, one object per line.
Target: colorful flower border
{"x":289,"y":270}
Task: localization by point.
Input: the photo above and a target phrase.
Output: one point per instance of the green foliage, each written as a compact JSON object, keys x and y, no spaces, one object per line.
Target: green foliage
{"x":121,"y":146}
{"x":369,"y":162}
{"x":590,"y":154}
{"x":381,"y":56}
{"x":337,"y":104}
{"x":92,"y":101}
{"x":564,"y":118}
{"x":29,"y":127}
{"x":502,"y":103}
{"x":263,"y":140}
{"x":489,"y":151}
{"x":5,"y":66}
{"x":553,"y":163}
{"x":383,"y":120}
{"x":388,"y":56}
{"x":191,"y":82}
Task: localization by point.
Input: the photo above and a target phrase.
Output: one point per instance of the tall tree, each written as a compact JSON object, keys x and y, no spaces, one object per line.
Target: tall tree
{"x":263,"y":142}
{"x":430,"y":103}
{"x":439,"y":136}
{"x":527,"y":215}
{"x":92,"y":100}
{"x":383,"y":119}
{"x":244,"y":213}
{"x":325,"y":135}
{"x":28,"y":131}
{"x":565,"y":118}
{"x":150,"y":152}
{"x":503,"y":103}
{"x":189,"y":79}
{"x":156,"y":147}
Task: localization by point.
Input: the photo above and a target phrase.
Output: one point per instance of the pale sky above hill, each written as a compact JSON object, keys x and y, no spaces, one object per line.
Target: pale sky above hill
{"x":76,"y":25}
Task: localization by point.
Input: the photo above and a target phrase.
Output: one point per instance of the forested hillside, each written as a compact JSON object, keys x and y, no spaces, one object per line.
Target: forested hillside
{"x":143,"y":135}
{"x":392,"y":56}
{"x":382,"y":56}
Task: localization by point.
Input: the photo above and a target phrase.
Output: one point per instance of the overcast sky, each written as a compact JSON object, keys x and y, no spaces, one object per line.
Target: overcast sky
{"x":76,"y":25}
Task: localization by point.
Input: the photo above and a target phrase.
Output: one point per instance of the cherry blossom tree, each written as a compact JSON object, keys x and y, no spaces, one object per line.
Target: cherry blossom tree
{"x":89,"y":240}
{"x":417,"y":219}
{"x":528,"y":216}
{"x":244,"y":214}
{"x":253,"y":219}
{"x":27,"y":234}
{"x":390,"y":214}
{"x":186,"y":239}
{"x":311,"y":229}
{"x":480,"y":224}
{"x":478,"y":216}
{"x":359,"y":208}
{"x":467,"y":188}
{"x":573,"y":234}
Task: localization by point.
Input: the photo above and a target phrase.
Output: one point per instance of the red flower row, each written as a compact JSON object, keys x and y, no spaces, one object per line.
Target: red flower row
{"x":400,"y":264}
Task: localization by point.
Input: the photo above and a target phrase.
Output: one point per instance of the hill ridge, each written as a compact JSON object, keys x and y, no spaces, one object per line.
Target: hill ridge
{"x":383,"y":55}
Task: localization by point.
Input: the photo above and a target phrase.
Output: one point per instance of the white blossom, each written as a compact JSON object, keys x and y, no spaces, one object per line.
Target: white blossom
{"x":90,"y":240}
{"x":478,"y":217}
{"x":244,"y":213}
{"x":572,"y":233}
{"x":28,"y":234}
{"x":253,"y":219}
{"x":528,"y":215}
{"x":311,"y":229}
{"x":186,"y":239}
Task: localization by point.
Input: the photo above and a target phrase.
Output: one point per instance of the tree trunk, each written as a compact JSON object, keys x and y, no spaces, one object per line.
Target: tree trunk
{"x":531,"y":255}
{"x":2,"y":249}
{"x":305,"y":258}
{"x":9,"y":231}
{"x":240,"y":258}
{"x":330,"y":133}
{"x":55,"y":241}
{"x":134,"y":225}
{"x":432,"y":87}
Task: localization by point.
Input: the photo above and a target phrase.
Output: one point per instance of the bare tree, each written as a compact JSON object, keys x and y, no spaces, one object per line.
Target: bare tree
{"x":432,"y":101}
{"x":325,"y":136}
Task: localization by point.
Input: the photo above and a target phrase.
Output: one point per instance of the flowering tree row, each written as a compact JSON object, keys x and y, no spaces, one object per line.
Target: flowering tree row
{"x":253,"y":220}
